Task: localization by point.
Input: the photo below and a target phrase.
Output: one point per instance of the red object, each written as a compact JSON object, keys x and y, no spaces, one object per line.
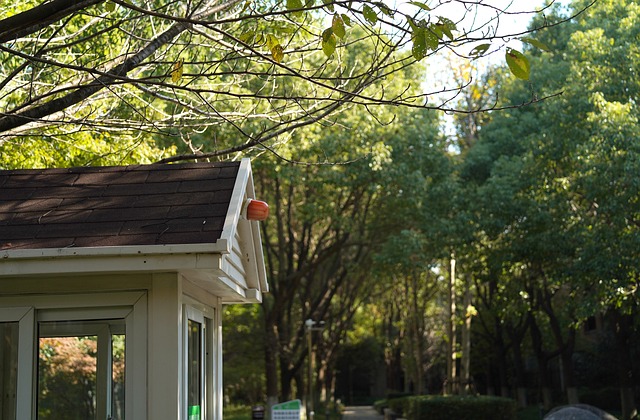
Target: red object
{"x":257,"y":210}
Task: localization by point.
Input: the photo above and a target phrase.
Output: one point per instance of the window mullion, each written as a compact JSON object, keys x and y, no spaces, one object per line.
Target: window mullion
{"x":104,"y":373}
{"x":27,"y":360}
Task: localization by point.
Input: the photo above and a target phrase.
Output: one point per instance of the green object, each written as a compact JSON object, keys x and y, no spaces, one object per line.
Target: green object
{"x":194,"y":412}
{"x":289,"y":405}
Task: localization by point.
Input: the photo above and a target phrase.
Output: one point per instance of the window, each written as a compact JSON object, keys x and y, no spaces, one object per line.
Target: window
{"x":199,"y":364}
{"x":194,"y":370}
{"x":81,"y":369}
{"x":9,"y":366}
{"x":16,"y":362}
{"x":65,"y":357}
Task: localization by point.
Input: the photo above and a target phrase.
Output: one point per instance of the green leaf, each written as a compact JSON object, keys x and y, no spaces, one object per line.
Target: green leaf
{"x":447,"y":26}
{"x":536,"y":43}
{"x":110,"y":6}
{"x":247,"y":37}
{"x":329,"y":5}
{"x":272,"y":41}
{"x":479,"y":50}
{"x":431,"y":39}
{"x":384,"y":9}
{"x":346,"y":19}
{"x":413,"y":24}
{"x":437,"y":30}
{"x":421,"y":5}
{"x":293,"y":5}
{"x":419,"y":49}
{"x":518,"y":64}
{"x":369,"y":14}
{"x":338,"y":26}
{"x":277,"y":52}
{"x":329,"y":42}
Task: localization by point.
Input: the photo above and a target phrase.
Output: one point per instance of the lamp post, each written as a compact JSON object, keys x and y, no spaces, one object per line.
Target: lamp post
{"x":309,"y":324}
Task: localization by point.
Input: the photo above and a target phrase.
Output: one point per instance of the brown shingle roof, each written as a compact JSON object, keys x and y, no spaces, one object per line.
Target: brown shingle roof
{"x":115,"y":206}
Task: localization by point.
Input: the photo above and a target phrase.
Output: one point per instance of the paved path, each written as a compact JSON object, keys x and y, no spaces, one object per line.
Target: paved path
{"x":361,"y":413}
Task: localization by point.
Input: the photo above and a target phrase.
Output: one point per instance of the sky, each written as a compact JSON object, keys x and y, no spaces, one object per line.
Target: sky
{"x":519,"y":14}
{"x":481,"y":19}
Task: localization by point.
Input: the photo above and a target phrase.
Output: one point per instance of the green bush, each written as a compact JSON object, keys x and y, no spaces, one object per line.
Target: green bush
{"x":380,"y":405}
{"x":436,"y":407}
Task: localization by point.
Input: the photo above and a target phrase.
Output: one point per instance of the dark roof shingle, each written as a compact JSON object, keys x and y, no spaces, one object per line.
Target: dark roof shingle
{"x":115,"y":206}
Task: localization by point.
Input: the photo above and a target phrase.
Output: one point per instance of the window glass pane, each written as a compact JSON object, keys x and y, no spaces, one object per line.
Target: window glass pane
{"x":9,"y":369}
{"x":194,"y":370}
{"x":67,"y":378}
{"x":81,"y":370}
{"x":117,"y":370}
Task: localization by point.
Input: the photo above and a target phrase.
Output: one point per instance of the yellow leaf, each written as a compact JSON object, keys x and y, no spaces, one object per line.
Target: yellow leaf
{"x":176,"y":73}
{"x":277,"y":53}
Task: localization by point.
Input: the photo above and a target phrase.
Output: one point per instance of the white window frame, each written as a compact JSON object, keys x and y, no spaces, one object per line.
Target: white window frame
{"x":29,"y":310}
{"x":206,"y":317}
{"x":102,"y":329}
{"x":25,"y":318}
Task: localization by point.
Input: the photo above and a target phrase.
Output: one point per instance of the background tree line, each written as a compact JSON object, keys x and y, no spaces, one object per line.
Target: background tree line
{"x":538,"y":207}
{"x":463,"y":262}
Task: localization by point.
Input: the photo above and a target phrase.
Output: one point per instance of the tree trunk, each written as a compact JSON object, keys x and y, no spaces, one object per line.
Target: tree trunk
{"x":520,"y":382}
{"x":110,"y":77}
{"x":271,"y":365}
{"x":565,"y":346}
{"x":568,"y":374}
{"x":623,"y":331}
{"x":451,"y":330}
{"x":465,"y":367}
{"x":500,"y":352}
{"x":517,"y":331}
{"x":38,"y":17}
{"x":543,"y":363}
{"x":286,"y":378}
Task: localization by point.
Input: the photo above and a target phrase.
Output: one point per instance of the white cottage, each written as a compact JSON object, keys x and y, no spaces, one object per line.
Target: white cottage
{"x":112,"y":281}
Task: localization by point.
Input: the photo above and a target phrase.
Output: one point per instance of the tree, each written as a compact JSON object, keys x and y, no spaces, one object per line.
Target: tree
{"x":174,"y":69}
{"x":317,"y":243}
{"x":559,"y":181}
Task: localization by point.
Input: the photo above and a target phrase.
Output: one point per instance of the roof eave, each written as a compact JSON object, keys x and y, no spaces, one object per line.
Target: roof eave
{"x":202,"y":263}
{"x":220,"y":247}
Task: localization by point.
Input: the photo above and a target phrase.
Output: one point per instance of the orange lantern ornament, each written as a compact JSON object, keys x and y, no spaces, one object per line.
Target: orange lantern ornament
{"x":256,"y":210}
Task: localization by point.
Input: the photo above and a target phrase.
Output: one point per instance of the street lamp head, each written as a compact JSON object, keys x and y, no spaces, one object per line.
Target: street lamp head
{"x":310,"y":323}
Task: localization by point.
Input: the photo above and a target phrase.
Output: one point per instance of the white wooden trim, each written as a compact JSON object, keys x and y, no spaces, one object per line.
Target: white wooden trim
{"x":238,"y":196}
{"x":217,"y":344}
{"x":136,"y":349}
{"x":220,"y":247}
{"x":70,"y":301}
{"x":80,"y":314}
{"x":25,"y":403}
{"x":194,"y":314}
{"x":104,"y":363}
{"x":165,"y":349}
{"x":98,"y":264}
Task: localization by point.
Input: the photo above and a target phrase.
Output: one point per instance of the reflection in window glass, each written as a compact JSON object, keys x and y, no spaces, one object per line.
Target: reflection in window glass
{"x":81,"y":370}
{"x":9,"y":369}
{"x":117,"y":370}
{"x":194,"y":368}
{"x":67,"y":378}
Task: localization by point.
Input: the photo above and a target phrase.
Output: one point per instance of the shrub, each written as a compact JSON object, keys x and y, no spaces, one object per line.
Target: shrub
{"x":435,"y":407}
{"x":380,"y":405}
